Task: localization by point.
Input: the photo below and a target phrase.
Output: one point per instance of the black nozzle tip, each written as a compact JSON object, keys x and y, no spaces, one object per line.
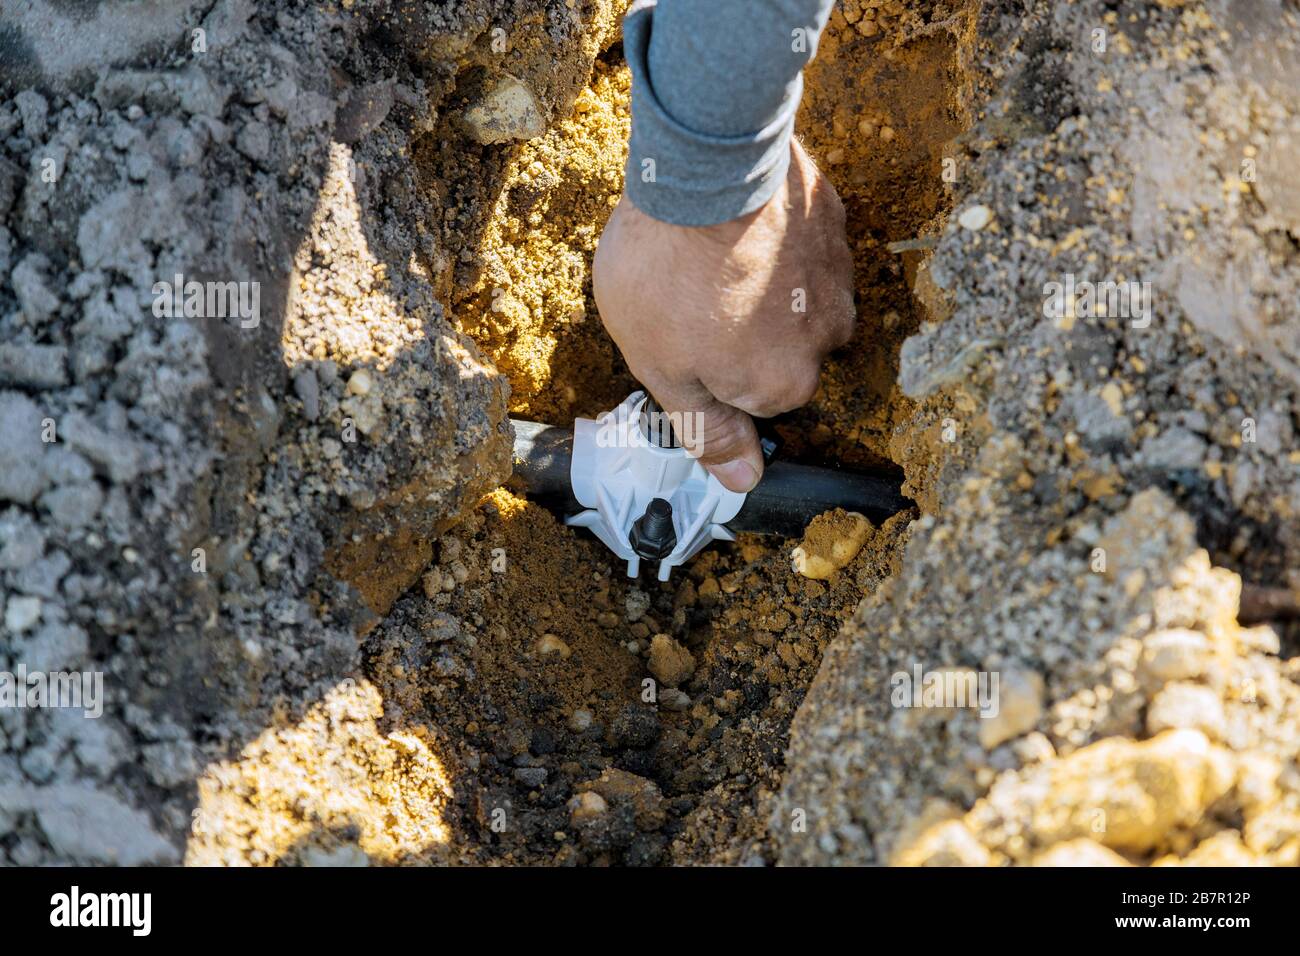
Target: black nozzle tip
{"x":652,"y":535}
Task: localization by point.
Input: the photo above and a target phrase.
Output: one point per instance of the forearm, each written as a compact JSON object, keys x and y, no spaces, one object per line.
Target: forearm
{"x":715,"y":88}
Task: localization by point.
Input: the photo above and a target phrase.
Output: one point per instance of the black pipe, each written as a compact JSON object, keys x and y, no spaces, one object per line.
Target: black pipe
{"x":788,"y":497}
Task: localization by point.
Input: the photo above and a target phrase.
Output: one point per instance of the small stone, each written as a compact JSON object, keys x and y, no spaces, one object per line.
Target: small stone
{"x":949,"y":843}
{"x":73,"y":506}
{"x":22,"y":614}
{"x":580,"y":720}
{"x":585,"y":806}
{"x":1185,"y":706}
{"x":1080,"y":852}
{"x":637,"y":603}
{"x":830,"y":542}
{"x":1020,"y":705}
{"x":360,"y":382}
{"x":551,"y":646}
{"x":432,"y":583}
{"x":1176,"y":654}
{"x":670,"y":663}
{"x":506,"y":111}
{"x":533,"y":777}
{"x":975,"y":218}
{"x":307,"y":388}
{"x":675,"y":700}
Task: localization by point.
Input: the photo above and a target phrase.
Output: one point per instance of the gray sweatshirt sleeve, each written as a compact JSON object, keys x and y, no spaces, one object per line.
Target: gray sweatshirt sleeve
{"x":715,"y":88}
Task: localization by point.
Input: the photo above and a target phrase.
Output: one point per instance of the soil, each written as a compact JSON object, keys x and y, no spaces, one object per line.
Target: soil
{"x":331,"y":636}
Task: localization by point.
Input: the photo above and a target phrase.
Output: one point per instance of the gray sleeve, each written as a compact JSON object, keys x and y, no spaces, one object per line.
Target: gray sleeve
{"x":715,"y":88}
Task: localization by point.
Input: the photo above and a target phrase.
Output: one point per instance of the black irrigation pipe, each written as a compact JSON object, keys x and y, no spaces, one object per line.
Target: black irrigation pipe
{"x":788,"y":497}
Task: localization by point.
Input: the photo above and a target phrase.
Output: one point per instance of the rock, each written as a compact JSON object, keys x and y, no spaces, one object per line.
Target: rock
{"x":363,"y":110}
{"x":586,"y":805}
{"x":620,"y":788}
{"x":670,"y":698}
{"x":254,"y":141}
{"x":1135,"y":793}
{"x":349,"y":855}
{"x":1020,"y":705}
{"x":1176,"y":654}
{"x":34,"y":109}
{"x":948,"y":843}
{"x":635,"y":726}
{"x":505,"y":111}
{"x":637,"y":603}
{"x":580,"y":720}
{"x":73,"y":506}
{"x":22,"y":614}
{"x":35,"y":297}
{"x":975,"y":218}
{"x":551,"y":646}
{"x":670,"y":662}
{"x":1081,"y":852}
{"x":21,"y":477}
{"x":532,"y":777}
{"x":1176,"y":449}
{"x":21,"y":540}
{"x":307,"y":388}
{"x":830,"y":542}
{"x":1183,"y":705}
{"x":93,"y":826}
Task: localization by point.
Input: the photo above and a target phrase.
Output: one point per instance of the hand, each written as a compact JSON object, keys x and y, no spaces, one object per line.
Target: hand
{"x":731,"y":320}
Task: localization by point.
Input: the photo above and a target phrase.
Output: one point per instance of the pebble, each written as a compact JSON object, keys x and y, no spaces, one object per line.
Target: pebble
{"x":637,"y":603}
{"x":580,"y":720}
{"x":22,"y":614}
{"x":531,"y":776}
{"x":550,"y":645}
{"x":975,"y":218}
{"x":1174,"y":655}
{"x":360,"y":382}
{"x":1184,"y":706}
{"x":585,"y":806}
{"x":670,"y":663}
{"x":1020,"y":705}
{"x":673,"y":699}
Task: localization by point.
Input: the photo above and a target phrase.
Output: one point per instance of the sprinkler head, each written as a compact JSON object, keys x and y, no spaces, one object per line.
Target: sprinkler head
{"x":652,"y":535}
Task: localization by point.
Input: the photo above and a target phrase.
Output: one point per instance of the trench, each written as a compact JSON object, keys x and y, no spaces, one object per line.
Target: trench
{"x":527,"y":703}
{"x":567,"y":737}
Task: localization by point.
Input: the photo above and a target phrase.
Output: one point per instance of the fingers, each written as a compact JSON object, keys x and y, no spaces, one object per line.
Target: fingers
{"x":721,"y":436}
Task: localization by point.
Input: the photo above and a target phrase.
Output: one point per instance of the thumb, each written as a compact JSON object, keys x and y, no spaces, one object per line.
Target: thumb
{"x":720,"y":436}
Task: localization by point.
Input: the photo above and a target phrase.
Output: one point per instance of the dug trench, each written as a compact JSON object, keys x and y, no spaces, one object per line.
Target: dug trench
{"x":526,"y":702}
{"x":329,"y":633}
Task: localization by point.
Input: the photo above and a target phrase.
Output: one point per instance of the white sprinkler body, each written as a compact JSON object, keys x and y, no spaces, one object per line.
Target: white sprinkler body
{"x":616,"y":471}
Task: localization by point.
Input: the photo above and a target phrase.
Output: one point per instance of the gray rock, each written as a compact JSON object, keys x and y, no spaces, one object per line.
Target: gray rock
{"x":21,"y":540}
{"x":531,"y":776}
{"x":94,"y":826}
{"x":33,"y":366}
{"x":73,"y":506}
{"x":34,"y":110}
{"x":42,"y":578}
{"x":21,"y":477}
{"x":35,"y":297}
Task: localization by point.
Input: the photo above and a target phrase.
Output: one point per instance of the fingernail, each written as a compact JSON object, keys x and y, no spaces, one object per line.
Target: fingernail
{"x":736,"y":475}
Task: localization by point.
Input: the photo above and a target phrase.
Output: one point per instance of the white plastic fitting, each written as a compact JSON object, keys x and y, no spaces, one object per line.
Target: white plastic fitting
{"x":617,"y":470}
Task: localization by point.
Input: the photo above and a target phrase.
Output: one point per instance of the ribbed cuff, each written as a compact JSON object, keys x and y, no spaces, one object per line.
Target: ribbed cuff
{"x":688,"y":178}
